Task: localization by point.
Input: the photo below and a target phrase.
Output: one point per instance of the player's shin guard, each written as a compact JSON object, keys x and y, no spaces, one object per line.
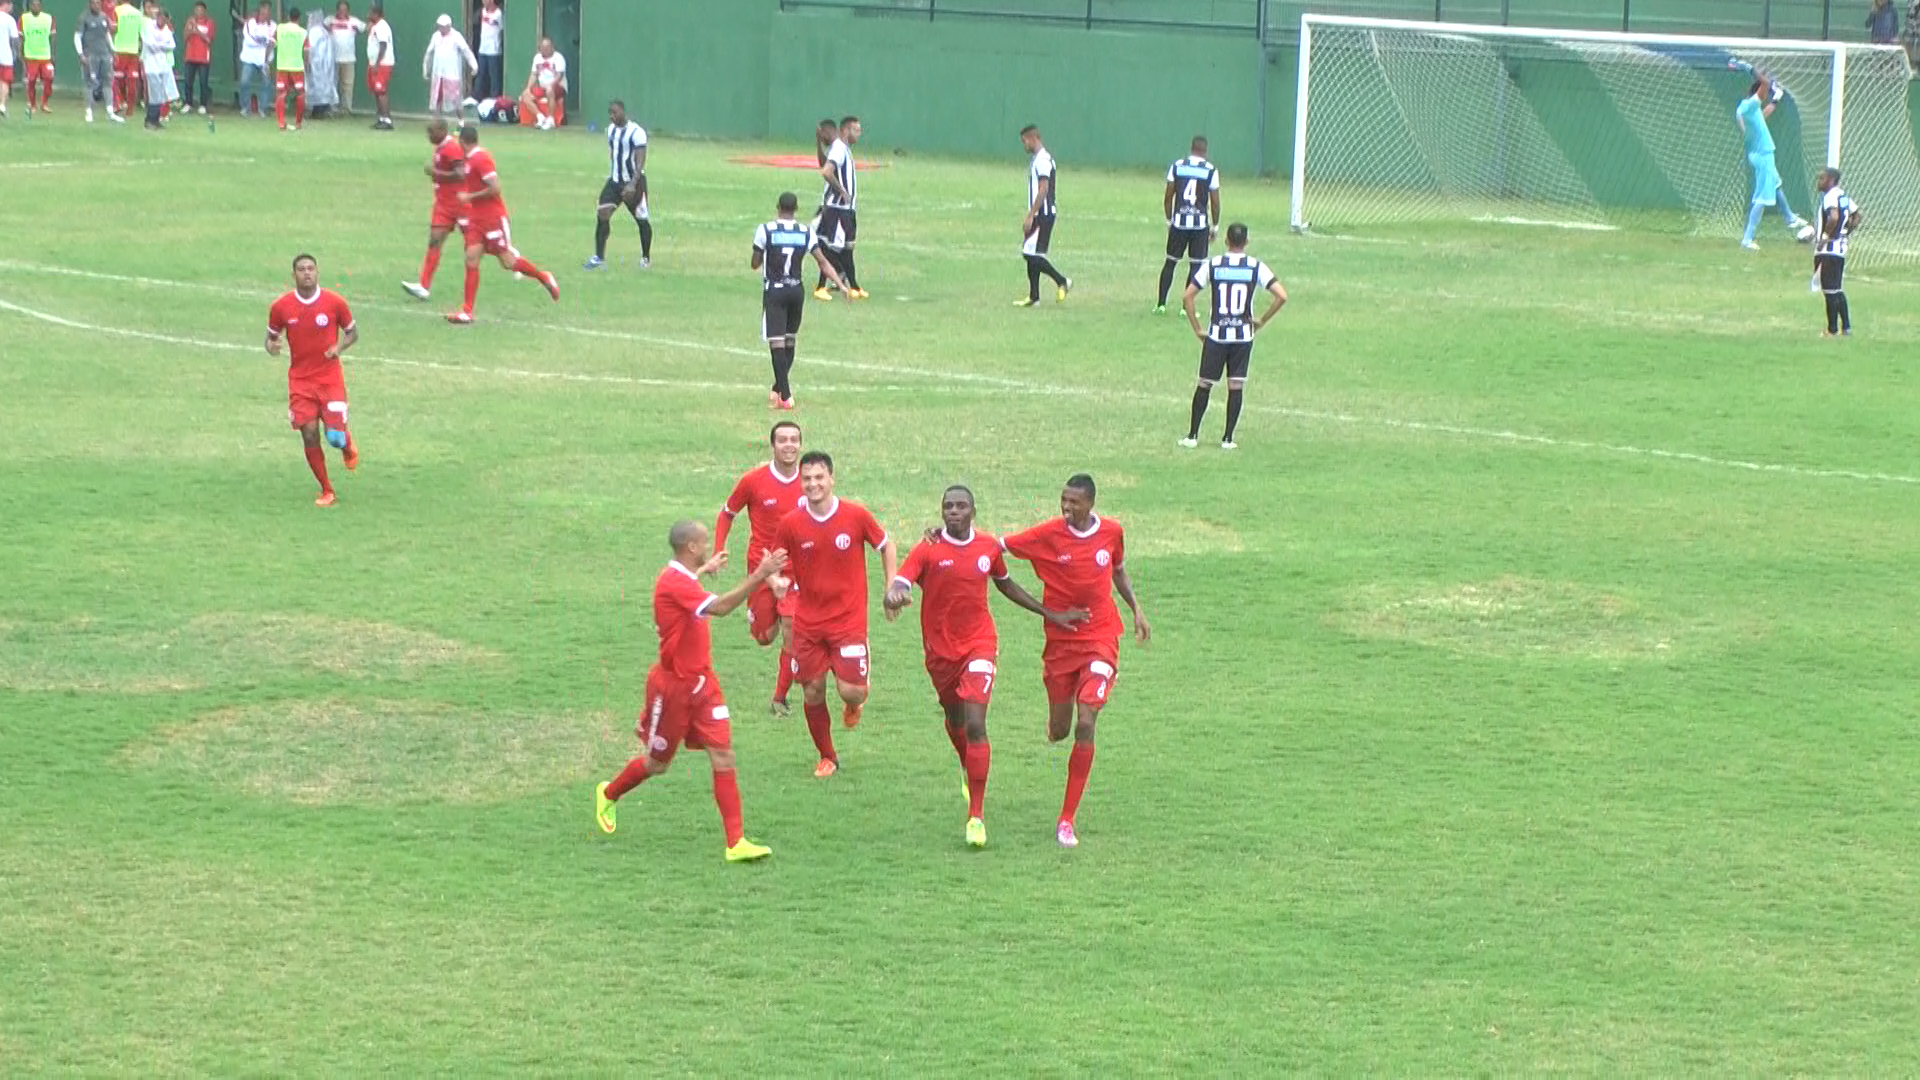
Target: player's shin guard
{"x":1078,"y":766}
{"x":1045,"y":266}
{"x":280,"y":107}
{"x":784,"y":683}
{"x":629,"y":778}
{"x":317,"y":461}
{"x":427,"y":267}
{"x":957,"y":735}
{"x":820,"y":726}
{"x":978,"y":759}
{"x":522,"y":266}
{"x":1846,"y":316}
{"x":1200,"y":396}
{"x":1166,"y":280}
{"x":602,"y":229}
{"x":1033,"y":278}
{"x":473,"y":287}
{"x":847,"y":273}
{"x":646,"y":238}
{"x":726,"y":795}
{"x":782,"y":371}
{"x":1233,"y":411}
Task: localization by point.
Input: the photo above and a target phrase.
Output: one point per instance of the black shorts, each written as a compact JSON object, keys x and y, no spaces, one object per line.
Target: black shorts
{"x":1833,"y":270}
{"x":1229,"y":359}
{"x":1191,"y":243}
{"x":613,"y":193}
{"x":1039,"y":236}
{"x":838,"y":228}
{"x":780,"y":310}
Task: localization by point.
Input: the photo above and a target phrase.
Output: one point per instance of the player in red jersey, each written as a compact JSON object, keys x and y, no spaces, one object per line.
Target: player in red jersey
{"x":448,"y":171}
{"x":952,"y":568}
{"x":1081,"y":558}
{"x":768,"y":493}
{"x":826,"y":543}
{"x":684,"y":702}
{"x":319,"y":327}
{"x":487,"y":229}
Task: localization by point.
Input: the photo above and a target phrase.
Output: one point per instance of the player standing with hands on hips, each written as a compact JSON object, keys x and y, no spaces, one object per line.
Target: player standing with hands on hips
{"x":1226,"y":345}
{"x":1838,"y":218}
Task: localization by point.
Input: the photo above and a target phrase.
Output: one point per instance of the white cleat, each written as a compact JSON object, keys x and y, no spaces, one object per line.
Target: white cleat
{"x":416,"y":290}
{"x":89,"y":115}
{"x":1227,"y":445}
{"x":1066,"y":835}
{"x":1750,"y":245}
{"x":116,"y":117}
{"x":1189,"y":443}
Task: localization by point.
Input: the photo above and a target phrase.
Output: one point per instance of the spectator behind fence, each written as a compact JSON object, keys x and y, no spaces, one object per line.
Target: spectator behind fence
{"x":256,"y":40}
{"x":447,"y":64}
{"x":1883,"y":23}
{"x":490,"y":35}
{"x":543,"y":103}
{"x":200,"y":33}
{"x":345,"y":31}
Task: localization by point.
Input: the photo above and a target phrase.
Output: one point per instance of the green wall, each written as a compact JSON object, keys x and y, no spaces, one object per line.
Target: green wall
{"x":685,"y":68}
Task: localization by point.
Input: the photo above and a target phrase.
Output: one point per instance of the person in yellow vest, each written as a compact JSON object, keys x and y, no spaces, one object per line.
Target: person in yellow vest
{"x":290,"y":68}
{"x":36,"y":48}
{"x":129,"y":78}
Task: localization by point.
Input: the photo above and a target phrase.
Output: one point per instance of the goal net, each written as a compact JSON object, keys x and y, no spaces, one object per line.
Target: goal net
{"x":1401,"y":121}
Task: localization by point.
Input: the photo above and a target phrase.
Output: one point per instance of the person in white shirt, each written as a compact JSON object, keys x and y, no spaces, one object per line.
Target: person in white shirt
{"x":492,"y":79}
{"x":156,"y":63}
{"x":256,"y":40}
{"x":546,"y":90}
{"x":446,"y":66}
{"x":380,"y":65}
{"x":9,"y":51}
{"x":345,"y":31}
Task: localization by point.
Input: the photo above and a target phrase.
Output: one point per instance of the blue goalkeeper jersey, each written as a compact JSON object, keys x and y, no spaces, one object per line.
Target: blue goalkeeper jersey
{"x":1759,"y":139}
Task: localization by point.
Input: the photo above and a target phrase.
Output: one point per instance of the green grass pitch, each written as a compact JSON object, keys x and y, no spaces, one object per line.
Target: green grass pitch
{"x":1533,"y":691}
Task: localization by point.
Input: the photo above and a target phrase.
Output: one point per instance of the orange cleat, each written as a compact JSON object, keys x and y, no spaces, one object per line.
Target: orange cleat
{"x":463,"y":317}
{"x":325,"y":499}
{"x":552,"y":283}
{"x":826,"y":768}
{"x":851,"y":717}
{"x":351,"y":455}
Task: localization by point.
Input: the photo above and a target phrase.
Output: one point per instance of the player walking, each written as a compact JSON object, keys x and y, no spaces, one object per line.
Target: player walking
{"x":768,"y":493}
{"x":826,"y":541}
{"x":838,"y":226}
{"x":1081,"y":559}
{"x":952,"y":568}
{"x":93,"y":40}
{"x":1193,"y":214}
{"x":1838,"y":218}
{"x":1043,"y":185}
{"x":1226,"y":345}
{"x":626,"y":186}
{"x":448,"y":171}
{"x":319,"y":327}
{"x":684,"y":702}
{"x":487,"y":229}
{"x":778,"y":248}
{"x":1762,"y":98}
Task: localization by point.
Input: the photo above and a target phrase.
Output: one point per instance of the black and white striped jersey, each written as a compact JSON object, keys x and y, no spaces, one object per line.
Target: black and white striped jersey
{"x":840,"y":156}
{"x":622,"y":141}
{"x":1234,"y":279}
{"x":1194,"y":180}
{"x":1832,"y":236}
{"x":783,"y":243}
{"x":1043,"y":168}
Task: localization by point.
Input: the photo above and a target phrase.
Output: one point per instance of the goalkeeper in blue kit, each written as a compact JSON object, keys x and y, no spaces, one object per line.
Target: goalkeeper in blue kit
{"x":1762,"y":98}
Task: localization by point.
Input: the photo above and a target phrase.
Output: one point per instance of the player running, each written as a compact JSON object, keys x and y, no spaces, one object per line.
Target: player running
{"x":487,"y":229}
{"x":778,"y":247}
{"x":319,"y":327}
{"x":1192,"y":203}
{"x":626,"y":186}
{"x":1043,"y":182}
{"x":684,"y":702}
{"x":1838,"y":218}
{"x":1762,"y":98}
{"x":1226,"y":345}
{"x":448,"y":171}
{"x":952,"y":567}
{"x":1081,"y":558}
{"x":826,"y":541}
{"x":768,"y":493}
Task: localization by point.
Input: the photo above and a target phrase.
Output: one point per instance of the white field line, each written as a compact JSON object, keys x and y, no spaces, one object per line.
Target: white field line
{"x":956,"y":380}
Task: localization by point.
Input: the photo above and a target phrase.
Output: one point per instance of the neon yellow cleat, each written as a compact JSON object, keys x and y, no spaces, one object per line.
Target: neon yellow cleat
{"x":822,"y":293}
{"x":603,"y":808}
{"x":976,"y":833}
{"x":747,"y":851}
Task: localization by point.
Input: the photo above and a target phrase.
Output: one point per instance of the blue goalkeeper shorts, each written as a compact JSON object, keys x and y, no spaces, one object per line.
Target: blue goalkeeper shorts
{"x":1766,"y":179}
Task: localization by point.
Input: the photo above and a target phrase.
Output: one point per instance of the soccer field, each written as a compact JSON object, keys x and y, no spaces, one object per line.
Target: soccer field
{"x":1532,"y":691}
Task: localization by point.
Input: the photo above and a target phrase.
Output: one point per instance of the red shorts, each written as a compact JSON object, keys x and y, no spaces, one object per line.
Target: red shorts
{"x":449,"y":215}
{"x":491,"y":233}
{"x":379,"y":77}
{"x":43,"y":70}
{"x":307,"y":402}
{"x":6,"y":74}
{"x":678,"y":711}
{"x":123,"y":64}
{"x":295,"y":81}
{"x":967,"y":681}
{"x":1082,"y":671}
{"x":815,"y":654}
{"x":764,"y":612}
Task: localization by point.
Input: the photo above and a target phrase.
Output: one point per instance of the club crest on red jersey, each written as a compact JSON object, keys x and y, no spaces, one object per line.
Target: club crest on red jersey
{"x":1101,"y":558}
{"x":843,"y":541}
{"x":320,"y":321}
{"x":985,"y":563}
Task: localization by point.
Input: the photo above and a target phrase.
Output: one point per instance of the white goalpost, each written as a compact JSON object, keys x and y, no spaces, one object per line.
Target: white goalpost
{"x":1405,"y":121}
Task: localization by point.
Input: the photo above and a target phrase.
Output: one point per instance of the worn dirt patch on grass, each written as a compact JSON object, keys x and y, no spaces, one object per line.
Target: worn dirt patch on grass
{"x":1516,"y":617}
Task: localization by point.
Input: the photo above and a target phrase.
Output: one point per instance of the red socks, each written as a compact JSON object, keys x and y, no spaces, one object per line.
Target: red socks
{"x":473,"y":287}
{"x":1078,"y":766}
{"x":785,"y":682}
{"x":636,"y":771}
{"x":280,"y":107}
{"x":979,"y":758}
{"x":957,"y":735}
{"x":427,"y":268}
{"x":522,"y":266}
{"x":317,"y":461}
{"x":726,"y":795}
{"x":820,"y":726}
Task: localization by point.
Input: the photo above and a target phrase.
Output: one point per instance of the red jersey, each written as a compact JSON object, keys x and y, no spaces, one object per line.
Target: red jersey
{"x":312,"y":325}
{"x":199,"y":41}
{"x":827,"y":560}
{"x":1077,"y":570}
{"x":954,"y":621}
{"x":767,"y":497}
{"x":480,"y":169}
{"x":447,"y":157}
{"x":680,"y":605}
